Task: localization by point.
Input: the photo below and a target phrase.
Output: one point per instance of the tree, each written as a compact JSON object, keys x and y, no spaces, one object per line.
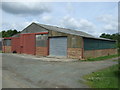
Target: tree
{"x":115,"y":36}
{"x":9,"y":33}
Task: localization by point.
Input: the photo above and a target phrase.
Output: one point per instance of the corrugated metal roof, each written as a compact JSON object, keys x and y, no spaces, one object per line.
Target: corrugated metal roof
{"x":65,"y":30}
{"x":70,"y":31}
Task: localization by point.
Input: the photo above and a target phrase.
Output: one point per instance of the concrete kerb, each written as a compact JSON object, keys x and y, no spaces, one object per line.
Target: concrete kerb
{"x":45,"y":58}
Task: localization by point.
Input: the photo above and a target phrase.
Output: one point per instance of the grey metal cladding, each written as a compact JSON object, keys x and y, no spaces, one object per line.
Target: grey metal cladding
{"x":7,"y":42}
{"x":74,"y":42}
{"x":58,"y":46}
{"x":41,"y":40}
{"x":41,"y":43}
{"x":0,"y":45}
{"x":33,"y":28}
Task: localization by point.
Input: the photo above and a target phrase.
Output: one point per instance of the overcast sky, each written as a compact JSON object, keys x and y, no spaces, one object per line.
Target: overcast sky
{"x":91,"y":17}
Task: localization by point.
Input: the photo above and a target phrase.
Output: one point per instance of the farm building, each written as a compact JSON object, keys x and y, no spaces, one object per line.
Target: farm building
{"x":45,"y":40}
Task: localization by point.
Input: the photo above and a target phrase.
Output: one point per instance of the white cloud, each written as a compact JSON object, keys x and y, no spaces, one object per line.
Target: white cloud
{"x":46,"y":18}
{"x":78,"y":24}
{"x":110,"y":27}
{"x":26,"y":8}
{"x":105,"y":18}
{"x":86,"y":25}
{"x":110,"y":23}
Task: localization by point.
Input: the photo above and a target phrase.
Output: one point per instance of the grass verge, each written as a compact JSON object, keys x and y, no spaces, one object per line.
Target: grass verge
{"x":102,"y":58}
{"x":106,"y":78}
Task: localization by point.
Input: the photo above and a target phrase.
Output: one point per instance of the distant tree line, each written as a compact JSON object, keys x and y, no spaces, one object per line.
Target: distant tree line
{"x":115,"y":36}
{"x":9,"y":33}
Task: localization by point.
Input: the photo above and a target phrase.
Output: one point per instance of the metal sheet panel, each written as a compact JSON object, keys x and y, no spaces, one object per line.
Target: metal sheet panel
{"x":0,"y":45}
{"x":94,"y":44}
{"x":28,"y":44}
{"x":58,"y":46}
{"x":16,"y":44}
{"x":7,"y":42}
{"x":41,"y":40}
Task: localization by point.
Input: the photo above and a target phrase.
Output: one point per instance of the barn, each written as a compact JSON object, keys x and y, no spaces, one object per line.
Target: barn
{"x":45,"y":40}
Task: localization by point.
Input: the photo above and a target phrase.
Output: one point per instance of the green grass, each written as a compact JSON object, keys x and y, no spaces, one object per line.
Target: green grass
{"x":102,"y":58}
{"x":106,"y":78}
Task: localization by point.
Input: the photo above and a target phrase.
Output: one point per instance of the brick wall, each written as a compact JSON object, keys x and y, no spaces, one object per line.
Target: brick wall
{"x":42,"y":51}
{"x":6,"y":49}
{"x":98,"y":53}
{"x":75,"y":53}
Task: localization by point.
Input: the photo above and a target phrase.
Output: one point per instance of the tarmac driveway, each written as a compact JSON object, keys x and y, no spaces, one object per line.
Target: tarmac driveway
{"x":29,"y":72}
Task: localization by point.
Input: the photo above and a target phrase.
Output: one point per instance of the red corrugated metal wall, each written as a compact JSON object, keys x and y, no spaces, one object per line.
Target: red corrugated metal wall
{"x":27,"y":43}
{"x":15,"y":44}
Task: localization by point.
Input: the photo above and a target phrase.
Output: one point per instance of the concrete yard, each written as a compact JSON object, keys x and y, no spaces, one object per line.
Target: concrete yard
{"x":25,"y":71}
